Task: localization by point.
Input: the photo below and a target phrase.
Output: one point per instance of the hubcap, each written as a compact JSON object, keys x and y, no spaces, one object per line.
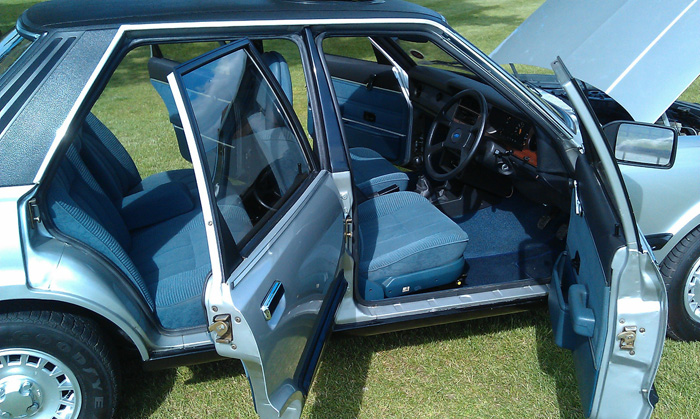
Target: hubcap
{"x":692,"y":286}
{"x":34,"y":384}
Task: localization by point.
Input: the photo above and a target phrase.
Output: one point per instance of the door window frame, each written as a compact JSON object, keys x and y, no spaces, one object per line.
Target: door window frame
{"x":220,"y":244}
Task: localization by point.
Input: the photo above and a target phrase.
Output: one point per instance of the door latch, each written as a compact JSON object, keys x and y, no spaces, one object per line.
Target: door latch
{"x":34,"y":215}
{"x":347,"y":232}
{"x":578,"y":208}
{"x":627,"y":338}
{"x":222,"y":328}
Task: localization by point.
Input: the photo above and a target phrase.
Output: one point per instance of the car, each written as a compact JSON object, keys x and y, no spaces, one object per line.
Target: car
{"x":665,"y":200}
{"x":399,"y":178}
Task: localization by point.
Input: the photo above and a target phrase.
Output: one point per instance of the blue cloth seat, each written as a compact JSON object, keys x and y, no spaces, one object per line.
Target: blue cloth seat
{"x":115,"y":170}
{"x":373,"y":173}
{"x":406,"y":245}
{"x":167,"y":262}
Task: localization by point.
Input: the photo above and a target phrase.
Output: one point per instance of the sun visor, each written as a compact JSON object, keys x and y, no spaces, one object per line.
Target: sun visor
{"x":642,"y":53}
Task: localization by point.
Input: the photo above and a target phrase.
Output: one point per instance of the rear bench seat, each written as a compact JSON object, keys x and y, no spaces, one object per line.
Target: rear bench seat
{"x":165,"y":255}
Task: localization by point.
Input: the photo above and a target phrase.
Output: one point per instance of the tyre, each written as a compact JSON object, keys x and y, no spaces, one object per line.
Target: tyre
{"x":54,"y":365}
{"x":681,"y":272}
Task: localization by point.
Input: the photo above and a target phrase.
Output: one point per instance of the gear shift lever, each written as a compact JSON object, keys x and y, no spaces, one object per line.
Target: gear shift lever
{"x":423,"y":187}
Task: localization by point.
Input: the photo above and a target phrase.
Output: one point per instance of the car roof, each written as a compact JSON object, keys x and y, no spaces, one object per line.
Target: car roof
{"x":85,"y":14}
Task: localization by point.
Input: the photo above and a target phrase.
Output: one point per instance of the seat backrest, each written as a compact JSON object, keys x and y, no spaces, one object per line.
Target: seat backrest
{"x":107,"y":160}
{"x":80,"y":209}
{"x":280,"y":69}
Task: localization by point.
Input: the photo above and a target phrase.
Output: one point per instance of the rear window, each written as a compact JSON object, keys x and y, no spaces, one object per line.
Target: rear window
{"x":12,"y":46}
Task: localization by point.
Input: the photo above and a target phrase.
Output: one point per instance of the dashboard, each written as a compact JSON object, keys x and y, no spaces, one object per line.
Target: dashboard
{"x":513,"y":134}
{"x":505,"y":128}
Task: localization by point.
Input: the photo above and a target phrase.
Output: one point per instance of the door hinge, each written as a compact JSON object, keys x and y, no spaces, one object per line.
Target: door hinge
{"x":222,"y":328}
{"x":347,"y":232}
{"x":627,"y":338}
{"x":34,"y":215}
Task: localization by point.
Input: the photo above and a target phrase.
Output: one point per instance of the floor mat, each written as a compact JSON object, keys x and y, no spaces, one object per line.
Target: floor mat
{"x":506,"y":245}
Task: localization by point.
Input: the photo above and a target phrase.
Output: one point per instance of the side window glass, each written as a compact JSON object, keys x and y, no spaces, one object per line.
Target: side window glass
{"x":357,"y":47}
{"x":282,"y":56}
{"x":252,"y":156}
{"x":295,"y":87}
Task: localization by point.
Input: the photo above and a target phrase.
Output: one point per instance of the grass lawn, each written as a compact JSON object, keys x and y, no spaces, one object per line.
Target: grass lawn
{"x":496,"y":367}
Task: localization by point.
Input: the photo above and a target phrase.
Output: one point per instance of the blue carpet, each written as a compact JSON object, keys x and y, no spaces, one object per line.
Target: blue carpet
{"x":505,"y":244}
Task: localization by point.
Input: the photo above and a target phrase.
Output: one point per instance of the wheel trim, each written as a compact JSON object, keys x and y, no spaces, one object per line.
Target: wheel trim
{"x":691,"y":299}
{"x":34,"y":384}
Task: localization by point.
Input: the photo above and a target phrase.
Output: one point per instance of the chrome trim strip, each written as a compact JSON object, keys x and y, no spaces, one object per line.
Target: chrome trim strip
{"x":373,"y":127}
{"x":364,"y":84}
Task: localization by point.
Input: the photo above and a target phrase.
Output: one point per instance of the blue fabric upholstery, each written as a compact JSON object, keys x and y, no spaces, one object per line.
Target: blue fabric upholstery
{"x":80,"y":209}
{"x":235,"y":216}
{"x":173,"y":258}
{"x":152,"y":230}
{"x":386,"y":131}
{"x":168,"y":262}
{"x":402,"y":235}
{"x":107,"y":160}
{"x":156,"y":205}
{"x":115,"y":171}
{"x":280,"y":69}
{"x":373,"y":173}
{"x":114,"y":168}
{"x":184,"y":176}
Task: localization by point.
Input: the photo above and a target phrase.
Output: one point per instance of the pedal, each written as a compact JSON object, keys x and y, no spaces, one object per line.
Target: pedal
{"x":543,"y":221}
{"x":562,"y":231}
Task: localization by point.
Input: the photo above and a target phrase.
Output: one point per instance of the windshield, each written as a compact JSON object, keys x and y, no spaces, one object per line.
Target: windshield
{"x":426,"y":53}
{"x":12,"y":46}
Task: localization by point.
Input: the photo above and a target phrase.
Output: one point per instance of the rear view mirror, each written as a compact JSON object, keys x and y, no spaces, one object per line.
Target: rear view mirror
{"x":642,"y":144}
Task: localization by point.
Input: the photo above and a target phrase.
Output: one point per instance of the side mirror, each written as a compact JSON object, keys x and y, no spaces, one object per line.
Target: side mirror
{"x":642,"y":144}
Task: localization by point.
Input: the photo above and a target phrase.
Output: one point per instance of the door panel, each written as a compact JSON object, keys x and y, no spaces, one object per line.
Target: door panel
{"x":374,"y":111}
{"x":303,"y":258}
{"x":591,"y":244}
{"x":273,"y":307}
{"x":605,"y":287}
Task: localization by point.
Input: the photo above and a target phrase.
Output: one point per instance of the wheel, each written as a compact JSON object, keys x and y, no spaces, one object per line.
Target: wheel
{"x":54,"y":365}
{"x":681,"y":272}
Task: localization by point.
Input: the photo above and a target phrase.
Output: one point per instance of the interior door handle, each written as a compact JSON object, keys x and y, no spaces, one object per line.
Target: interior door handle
{"x":582,"y":318}
{"x":369,"y":84}
{"x":272,"y":300}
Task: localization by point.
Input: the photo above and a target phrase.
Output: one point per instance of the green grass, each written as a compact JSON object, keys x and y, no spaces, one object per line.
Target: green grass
{"x":500,"y":367}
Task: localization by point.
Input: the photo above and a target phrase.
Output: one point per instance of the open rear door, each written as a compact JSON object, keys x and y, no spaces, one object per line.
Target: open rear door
{"x":607,"y":302}
{"x":274,"y":222}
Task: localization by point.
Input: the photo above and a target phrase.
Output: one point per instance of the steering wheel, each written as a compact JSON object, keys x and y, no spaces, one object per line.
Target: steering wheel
{"x":462,"y":138}
{"x":266,"y":190}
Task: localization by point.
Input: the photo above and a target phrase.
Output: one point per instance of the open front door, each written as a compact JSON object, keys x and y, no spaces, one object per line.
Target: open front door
{"x":607,"y":302}
{"x":275,"y":224}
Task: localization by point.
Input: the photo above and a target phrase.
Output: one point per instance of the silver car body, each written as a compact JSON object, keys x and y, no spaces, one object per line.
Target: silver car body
{"x":42,"y":272}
